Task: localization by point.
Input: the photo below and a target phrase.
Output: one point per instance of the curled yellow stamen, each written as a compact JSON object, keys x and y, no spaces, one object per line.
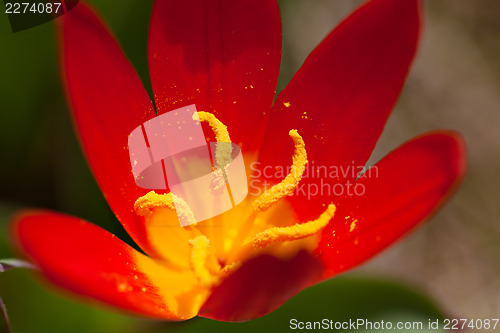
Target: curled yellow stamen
{"x":220,"y":130}
{"x":287,"y":185}
{"x":223,"y":151}
{"x":294,"y":232}
{"x":199,"y":257}
{"x":145,"y":205}
{"x":223,"y":148}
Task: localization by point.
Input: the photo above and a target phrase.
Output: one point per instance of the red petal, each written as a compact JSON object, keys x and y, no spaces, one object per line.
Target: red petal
{"x":260,"y":286}
{"x":341,"y":97}
{"x":411,"y":183}
{"x":89,"y":261}
{"x":108,"y":102}
{"x":221,"y":55}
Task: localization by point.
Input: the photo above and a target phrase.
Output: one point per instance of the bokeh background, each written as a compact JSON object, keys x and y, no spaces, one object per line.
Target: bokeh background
{"x":448,"y":268}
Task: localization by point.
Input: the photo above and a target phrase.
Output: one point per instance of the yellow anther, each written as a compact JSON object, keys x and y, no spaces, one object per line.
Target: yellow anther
{"x":145,"y":205}
{"x":294,"y":232}
{"x":218,"y":182}
{"x":220,"y":130}
{"x":199,"y":258}
{"x":288,"y":185}
{"x":223,"y":148}
{"x":223,"y":151}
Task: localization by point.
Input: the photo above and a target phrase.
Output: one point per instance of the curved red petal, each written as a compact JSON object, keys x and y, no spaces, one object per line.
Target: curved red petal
{"x":222,"y":55}
{"x":403,"y":189}
{"x":341,"y":97}
{"x":261,"y":286}
{"x":89,"y":261}
{"x":108,"y":101}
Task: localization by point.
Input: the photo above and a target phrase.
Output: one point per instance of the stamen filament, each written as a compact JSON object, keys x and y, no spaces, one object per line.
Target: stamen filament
{"x":199,"y":258}
{"x":294,"y":232}
{"x":287,"y":185}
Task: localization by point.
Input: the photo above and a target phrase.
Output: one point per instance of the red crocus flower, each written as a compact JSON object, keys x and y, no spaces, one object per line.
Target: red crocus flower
{"x":223,"y":56}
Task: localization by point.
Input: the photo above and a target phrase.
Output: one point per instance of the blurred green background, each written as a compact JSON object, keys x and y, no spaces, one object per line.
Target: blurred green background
{"x":450,"y":267}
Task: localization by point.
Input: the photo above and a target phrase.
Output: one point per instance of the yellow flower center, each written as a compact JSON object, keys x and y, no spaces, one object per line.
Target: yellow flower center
{"x":213,"y":249}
